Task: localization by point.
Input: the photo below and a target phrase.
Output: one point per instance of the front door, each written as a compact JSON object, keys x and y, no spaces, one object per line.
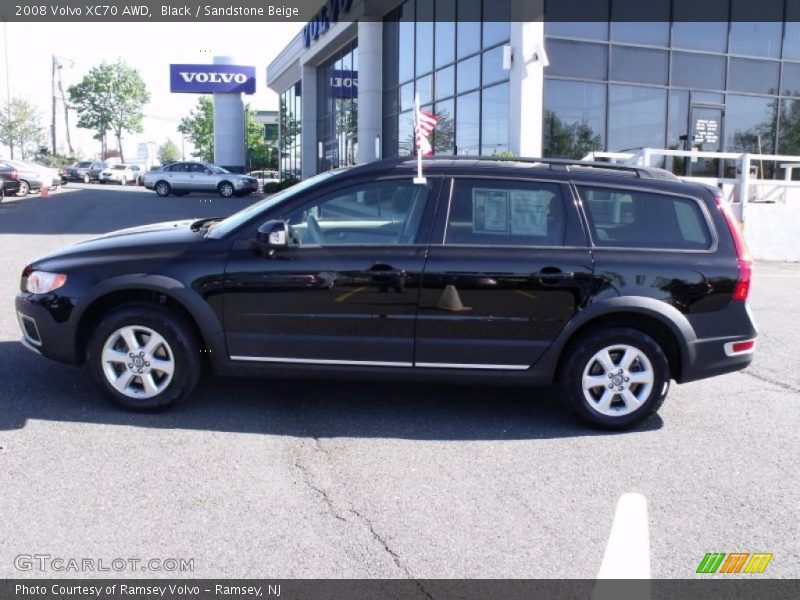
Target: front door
{"x":510,"y":268}
{"x":346,"y":291}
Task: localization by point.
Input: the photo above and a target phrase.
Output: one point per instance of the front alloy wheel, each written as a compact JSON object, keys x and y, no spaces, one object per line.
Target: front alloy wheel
{"x":138,"y":362}
{"x":143,"y":356}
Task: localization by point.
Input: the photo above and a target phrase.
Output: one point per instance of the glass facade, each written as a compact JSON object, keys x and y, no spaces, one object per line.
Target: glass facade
{"x":337,"y":109}
{"x":619,"y":86}
{"x":456,"y":67}
{"x":289,"y":124}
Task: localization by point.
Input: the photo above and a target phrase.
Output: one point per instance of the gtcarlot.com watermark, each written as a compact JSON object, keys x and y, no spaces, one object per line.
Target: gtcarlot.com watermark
{"x":63,"y":564}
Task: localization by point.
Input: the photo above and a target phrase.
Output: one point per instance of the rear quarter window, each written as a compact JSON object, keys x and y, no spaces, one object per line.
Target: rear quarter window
{"x":643,"y":219}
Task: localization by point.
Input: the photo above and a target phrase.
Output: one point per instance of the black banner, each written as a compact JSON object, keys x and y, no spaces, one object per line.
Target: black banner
{"x":330,"y":11}
{"x":746,"y":587}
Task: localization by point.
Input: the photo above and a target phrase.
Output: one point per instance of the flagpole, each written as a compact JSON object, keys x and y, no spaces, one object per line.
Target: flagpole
{"x":419,"y":179}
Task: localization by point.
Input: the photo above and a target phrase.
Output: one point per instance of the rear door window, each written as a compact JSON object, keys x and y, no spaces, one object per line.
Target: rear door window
{"x":643,"y":219}
{"x":490,"y":212}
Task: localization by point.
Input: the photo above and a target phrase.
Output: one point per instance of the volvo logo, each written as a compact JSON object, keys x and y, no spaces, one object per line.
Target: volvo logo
{"x":214,"y":77}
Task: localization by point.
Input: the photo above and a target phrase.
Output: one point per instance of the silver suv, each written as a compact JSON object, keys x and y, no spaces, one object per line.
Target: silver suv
{"x":185,"y":177}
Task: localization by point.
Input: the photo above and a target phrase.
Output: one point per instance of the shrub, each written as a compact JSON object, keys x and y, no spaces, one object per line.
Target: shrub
{"x":276,"y":186}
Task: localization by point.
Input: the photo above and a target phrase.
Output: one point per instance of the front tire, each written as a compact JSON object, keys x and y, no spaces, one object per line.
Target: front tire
{"x":123,"y":181}
{"x":162,"y":189}
{"x":86,"y":178}
{"x":24,"y":189}
{"x":143,"y":357}
{"x":615,"y":378}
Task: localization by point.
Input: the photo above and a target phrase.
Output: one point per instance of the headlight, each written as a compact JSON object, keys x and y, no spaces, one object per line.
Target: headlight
{"x":42,"y":282}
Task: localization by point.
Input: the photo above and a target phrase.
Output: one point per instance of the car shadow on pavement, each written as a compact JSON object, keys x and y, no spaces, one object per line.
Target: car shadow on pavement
{"x":36,"y":388}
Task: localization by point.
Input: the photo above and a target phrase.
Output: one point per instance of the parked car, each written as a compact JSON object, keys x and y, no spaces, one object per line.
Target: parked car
{"x":608,"y":281}
{"x":9,"y":180}
{"x":93,"y":172}
{"x":80,"y":171}
{"x":264,"y":177}
{"x":182,"y":178}
{"x":121,"y":174}
{"x":33,"y":176}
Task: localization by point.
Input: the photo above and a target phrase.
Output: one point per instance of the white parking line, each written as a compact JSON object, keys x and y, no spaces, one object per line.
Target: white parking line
{"x":627,"y":554}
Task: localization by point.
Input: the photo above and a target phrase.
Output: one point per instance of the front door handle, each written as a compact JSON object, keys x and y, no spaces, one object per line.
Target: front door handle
{"x":551,"y":274}
{"x":383,"y":270}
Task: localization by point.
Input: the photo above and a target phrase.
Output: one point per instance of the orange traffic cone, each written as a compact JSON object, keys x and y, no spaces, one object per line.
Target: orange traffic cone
{"x":45,"y":191}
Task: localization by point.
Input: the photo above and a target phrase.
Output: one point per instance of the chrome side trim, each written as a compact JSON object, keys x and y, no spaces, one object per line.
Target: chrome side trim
{"x":470,"y":366}
{"x":316,"y":361}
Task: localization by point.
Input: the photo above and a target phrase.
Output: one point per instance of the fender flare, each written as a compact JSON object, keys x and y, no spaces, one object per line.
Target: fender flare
{"x":666,"y":314}
{"x":204,"y":316}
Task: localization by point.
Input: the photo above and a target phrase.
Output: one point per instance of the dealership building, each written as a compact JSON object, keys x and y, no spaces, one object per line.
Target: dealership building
{"x":538,"y":87}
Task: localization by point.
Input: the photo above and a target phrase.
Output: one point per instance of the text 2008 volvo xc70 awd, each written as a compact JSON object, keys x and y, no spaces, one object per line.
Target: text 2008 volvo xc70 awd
{"x":608,"y":281}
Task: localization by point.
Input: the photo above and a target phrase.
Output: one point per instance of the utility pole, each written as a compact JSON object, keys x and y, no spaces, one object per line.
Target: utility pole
{"x":53,"y":94}
{"x":66,"y":106}
{"x":8,"y":85}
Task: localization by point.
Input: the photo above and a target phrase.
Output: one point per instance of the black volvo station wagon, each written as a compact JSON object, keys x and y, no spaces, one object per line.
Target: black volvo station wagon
{"x":609,"y":281}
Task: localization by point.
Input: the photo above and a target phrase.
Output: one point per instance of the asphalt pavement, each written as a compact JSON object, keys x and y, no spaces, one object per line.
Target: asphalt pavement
{"x":258,"y":478}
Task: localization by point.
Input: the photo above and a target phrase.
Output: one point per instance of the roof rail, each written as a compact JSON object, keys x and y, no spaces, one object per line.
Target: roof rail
{"x":565,"y":164}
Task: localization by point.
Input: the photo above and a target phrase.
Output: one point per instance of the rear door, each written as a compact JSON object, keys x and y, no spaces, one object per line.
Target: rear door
{"x":508,"y":267}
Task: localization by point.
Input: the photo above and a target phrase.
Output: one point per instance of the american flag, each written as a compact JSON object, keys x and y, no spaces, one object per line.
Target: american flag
{"x":425,"y":124}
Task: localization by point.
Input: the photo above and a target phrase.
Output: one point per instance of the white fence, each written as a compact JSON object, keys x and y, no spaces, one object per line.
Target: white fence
{"x":769,"y":209}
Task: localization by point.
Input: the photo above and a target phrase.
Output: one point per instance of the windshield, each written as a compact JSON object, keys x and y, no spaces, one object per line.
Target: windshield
{"x":82,"y":165}
{"x":237,"y":219}
{"x":119,"y":167}
{"x":219,"y":170}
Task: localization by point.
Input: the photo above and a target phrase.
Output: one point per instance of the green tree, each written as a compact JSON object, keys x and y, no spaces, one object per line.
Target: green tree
{"x":21,"y":127}
{"x":261,"y":152}
{"x":569,"y":140}
{"x":168,"y":152}
{"x":110,"y":97}
{"x":198,"y":128}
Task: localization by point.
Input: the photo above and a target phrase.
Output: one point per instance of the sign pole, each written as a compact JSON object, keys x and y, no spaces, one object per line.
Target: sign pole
{"x":419,"y":179}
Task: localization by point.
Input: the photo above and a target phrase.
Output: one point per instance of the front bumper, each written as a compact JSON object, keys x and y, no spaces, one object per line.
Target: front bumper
{"x":41,"y":331}
{"x":246,"y":186}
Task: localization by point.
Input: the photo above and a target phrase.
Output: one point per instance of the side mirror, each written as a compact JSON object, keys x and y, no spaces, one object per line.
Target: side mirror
{"x":273,"y":235}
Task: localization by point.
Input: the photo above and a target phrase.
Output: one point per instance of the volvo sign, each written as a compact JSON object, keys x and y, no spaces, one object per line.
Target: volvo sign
{"x":321,"y":22}
{"x":208,"y":79}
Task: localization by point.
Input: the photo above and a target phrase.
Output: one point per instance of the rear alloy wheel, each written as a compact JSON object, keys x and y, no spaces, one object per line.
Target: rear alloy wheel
{"x":143,"y":357}
{"x":24,"y":188}
{"x":615,"y":378}
{"x":225,"y":189}
{"x":162,"y":189}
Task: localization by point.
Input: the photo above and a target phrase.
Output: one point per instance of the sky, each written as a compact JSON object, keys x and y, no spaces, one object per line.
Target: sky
{"x":150,"y":48}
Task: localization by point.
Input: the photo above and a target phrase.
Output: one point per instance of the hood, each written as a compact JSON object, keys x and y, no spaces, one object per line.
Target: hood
{"x":147,"y":241}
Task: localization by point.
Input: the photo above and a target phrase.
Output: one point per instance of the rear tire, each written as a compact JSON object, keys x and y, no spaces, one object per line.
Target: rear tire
{"x":163,"y":189}
{"x":614,"y":378}
{"x":24,"y":189}
{"x":143,"y":357}
{"x":225,"y":189}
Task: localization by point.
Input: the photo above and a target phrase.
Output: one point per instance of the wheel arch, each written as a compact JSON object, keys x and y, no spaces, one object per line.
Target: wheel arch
{"x":661,"y":321}
{"x":195,"y":311}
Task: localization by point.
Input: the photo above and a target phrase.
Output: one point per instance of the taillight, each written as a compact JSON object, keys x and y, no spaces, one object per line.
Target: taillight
{"x":742,"y":289}
{"x":14,"y":175}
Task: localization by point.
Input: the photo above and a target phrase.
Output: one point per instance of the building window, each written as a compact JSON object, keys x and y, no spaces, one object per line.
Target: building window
{"x":742,"y":72}
{"x":289,"y":121}
{"x":452,"y":57}
{"x":574,"y":118}
{"x":337,"y":107}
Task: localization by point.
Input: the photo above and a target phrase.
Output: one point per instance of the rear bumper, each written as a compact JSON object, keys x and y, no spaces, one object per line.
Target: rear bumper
{"x":41,"y":332}
{"x":709,"y":359}
{"x":10,"y":187}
